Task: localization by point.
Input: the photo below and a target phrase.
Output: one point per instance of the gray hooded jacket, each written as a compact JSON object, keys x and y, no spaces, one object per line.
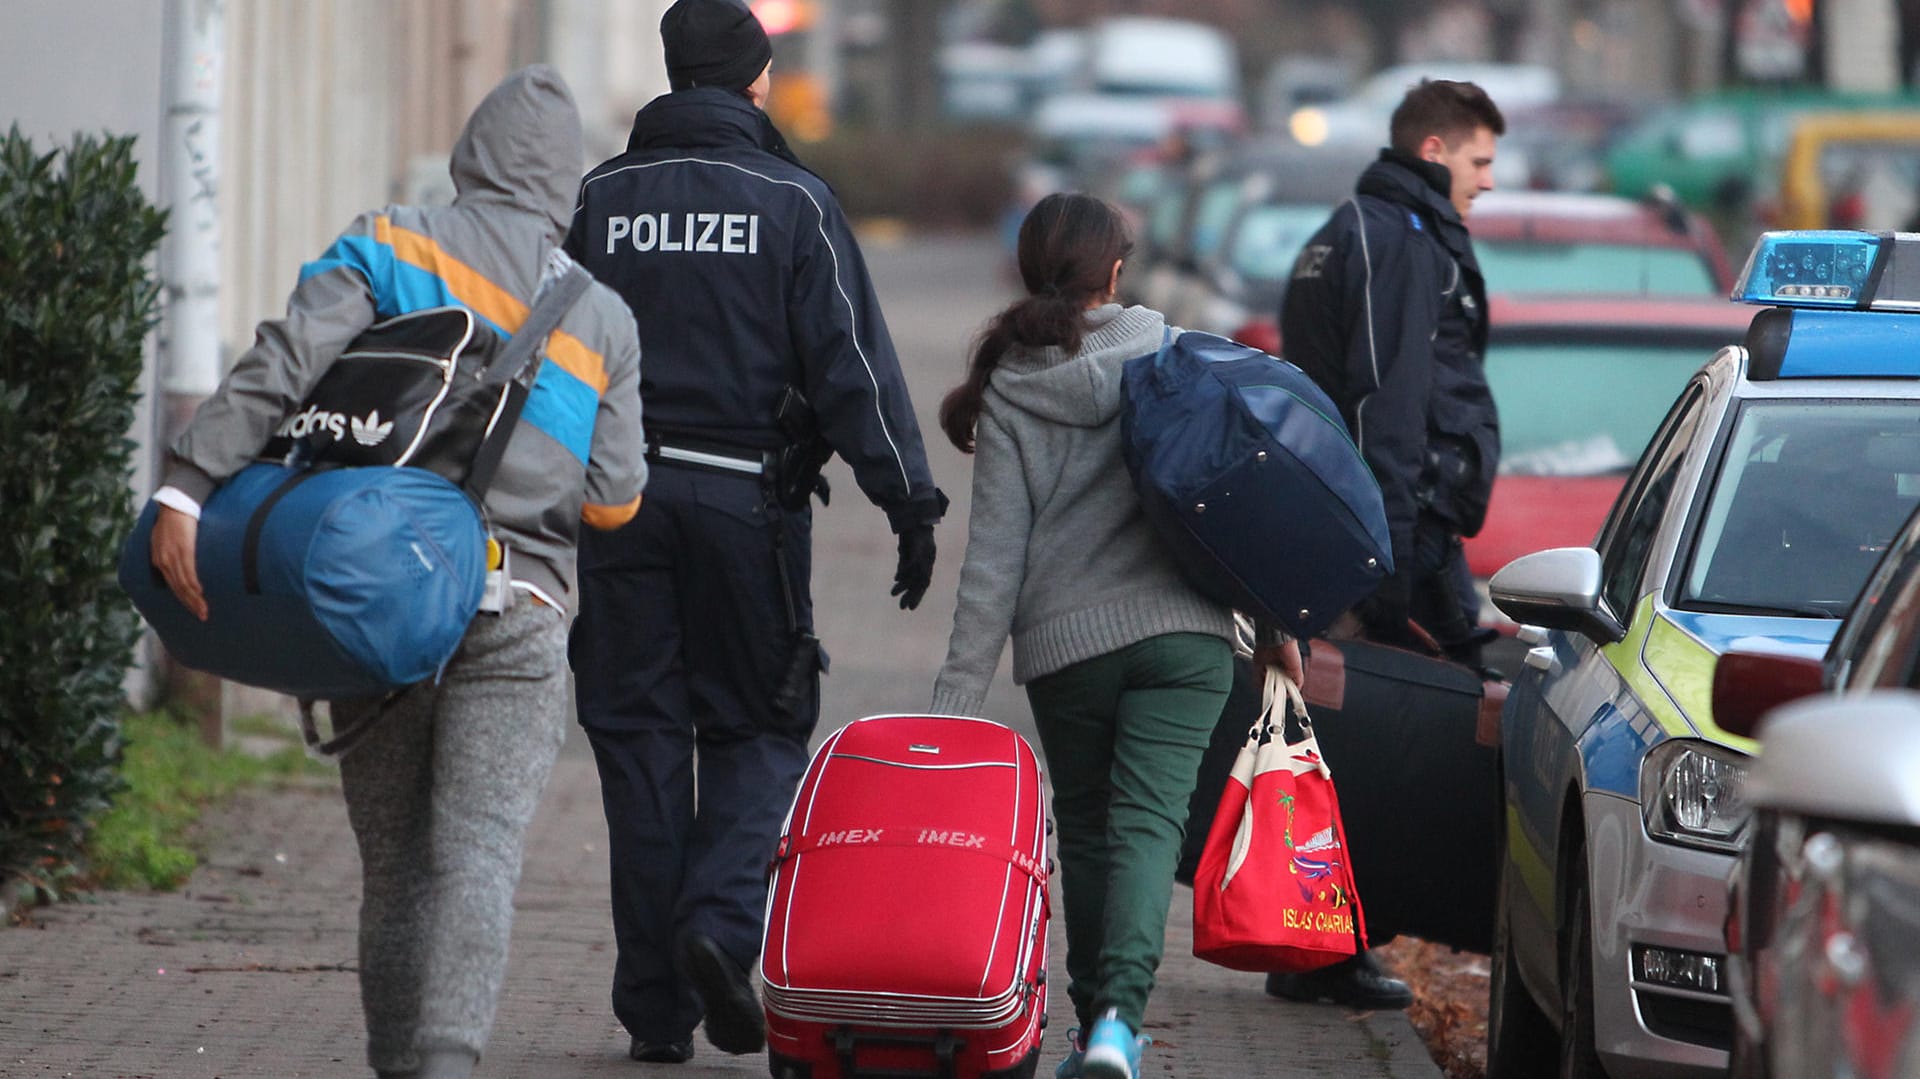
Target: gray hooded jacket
{"x":1059,"y":553}
{"x":577,"y":453}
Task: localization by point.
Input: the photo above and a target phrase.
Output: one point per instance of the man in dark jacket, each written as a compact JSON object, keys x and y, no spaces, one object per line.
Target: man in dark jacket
{"x":765,"y":352}
{"x":1387,"y":312}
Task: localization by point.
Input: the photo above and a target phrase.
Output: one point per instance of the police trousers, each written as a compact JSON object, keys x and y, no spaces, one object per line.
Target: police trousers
{"x":698,"y":690}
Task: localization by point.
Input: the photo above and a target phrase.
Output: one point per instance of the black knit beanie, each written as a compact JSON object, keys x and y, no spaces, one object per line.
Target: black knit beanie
{"x":713,"y":43}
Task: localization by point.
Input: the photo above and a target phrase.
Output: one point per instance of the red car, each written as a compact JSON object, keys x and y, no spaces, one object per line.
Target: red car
{"x":1581,"y":382}
{"x":1561,"y":243}
{"x":1541,"y":243}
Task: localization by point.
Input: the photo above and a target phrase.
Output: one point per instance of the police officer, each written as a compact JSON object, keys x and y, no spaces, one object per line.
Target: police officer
{"x":1386,"y":311}
{"x":694,"y":653}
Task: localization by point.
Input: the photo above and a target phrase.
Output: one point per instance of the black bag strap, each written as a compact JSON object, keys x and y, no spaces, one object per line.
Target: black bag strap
{"x":521,"y":358}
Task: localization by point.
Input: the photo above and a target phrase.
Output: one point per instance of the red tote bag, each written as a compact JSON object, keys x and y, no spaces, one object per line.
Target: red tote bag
{"x":1274,"y":890}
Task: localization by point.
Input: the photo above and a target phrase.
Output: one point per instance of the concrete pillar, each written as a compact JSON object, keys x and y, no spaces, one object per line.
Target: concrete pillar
{"x":1862,"y":44}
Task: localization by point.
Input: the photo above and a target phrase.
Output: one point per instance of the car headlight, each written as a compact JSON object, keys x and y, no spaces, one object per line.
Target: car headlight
{"x":1694,"y":794}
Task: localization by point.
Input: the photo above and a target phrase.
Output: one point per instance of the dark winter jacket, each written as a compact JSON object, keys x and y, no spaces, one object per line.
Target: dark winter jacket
{"x":1387,"y":311}
{"x":744,"y":277}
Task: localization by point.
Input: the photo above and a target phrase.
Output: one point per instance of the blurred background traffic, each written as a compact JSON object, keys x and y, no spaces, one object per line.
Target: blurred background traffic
{"x":1648,"y":142}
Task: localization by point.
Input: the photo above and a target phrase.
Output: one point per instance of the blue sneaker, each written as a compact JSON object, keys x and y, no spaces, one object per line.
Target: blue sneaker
{"x":1076,"y":1056}
{"x":1113,"y":1049}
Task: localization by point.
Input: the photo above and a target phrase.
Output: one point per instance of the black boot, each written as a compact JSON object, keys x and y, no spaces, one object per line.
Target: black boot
{"x":1357,"y":983}
{"x":735,"y":1023}
{"x":661,"y":1052}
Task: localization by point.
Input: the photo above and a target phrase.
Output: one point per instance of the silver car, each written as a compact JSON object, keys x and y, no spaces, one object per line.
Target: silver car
{"x":1823,"y":925}
{"x":1752,"y":520}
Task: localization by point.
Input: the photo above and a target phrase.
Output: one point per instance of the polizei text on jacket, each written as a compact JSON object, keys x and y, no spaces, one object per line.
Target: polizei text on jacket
{"x":715,"y":233}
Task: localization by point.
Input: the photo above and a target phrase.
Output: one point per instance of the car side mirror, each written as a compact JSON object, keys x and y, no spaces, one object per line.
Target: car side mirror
{"x":1558,"y":589}
{"x":1748,"y":685}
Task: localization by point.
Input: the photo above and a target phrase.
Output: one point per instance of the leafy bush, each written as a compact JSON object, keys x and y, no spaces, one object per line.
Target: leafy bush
{"x":76,"y":303}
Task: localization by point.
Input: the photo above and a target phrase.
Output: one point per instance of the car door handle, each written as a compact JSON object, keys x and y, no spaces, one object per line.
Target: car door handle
{"x":1543,"y":659}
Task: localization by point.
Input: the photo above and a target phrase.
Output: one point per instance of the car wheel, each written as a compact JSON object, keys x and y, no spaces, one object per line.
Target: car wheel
{"x":1578,"y":1058}
{"x":1520,"y":1040}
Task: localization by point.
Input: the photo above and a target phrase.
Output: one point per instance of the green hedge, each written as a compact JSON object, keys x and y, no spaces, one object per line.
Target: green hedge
{"x":76,"y":303}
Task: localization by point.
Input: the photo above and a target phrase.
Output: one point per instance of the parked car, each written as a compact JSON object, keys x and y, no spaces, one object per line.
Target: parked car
{"x":1560,"y":146}
{"x":1536,"y":243}
{"x":1139,"y":56}
{"x":1857,"y":170}
{"x":1581,"y":383}
{"x":1719,"y":150}
{"x":1824,"y":901}
{"x":1753,"y":516}
{"x":1836,"y":803}
{"x":1247,"y":225}
{"x":1567,"y":243}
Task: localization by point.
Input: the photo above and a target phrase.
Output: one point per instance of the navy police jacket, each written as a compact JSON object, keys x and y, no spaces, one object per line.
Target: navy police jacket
{"x":744,"y":279}
{"x":1386,"y":310}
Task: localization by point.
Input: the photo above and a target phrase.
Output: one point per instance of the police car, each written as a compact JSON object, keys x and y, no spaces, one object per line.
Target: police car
{"x":1753,"y":517}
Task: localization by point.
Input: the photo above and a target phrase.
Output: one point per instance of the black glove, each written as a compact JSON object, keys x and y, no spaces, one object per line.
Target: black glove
{"x":915,"y":572}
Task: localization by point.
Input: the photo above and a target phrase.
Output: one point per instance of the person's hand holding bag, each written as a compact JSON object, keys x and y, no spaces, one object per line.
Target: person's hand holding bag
{"x":915,"y":571}
{"x":175,"y":537}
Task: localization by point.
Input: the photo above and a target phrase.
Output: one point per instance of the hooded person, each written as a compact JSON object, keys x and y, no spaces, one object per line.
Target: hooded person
{"x":695,"y":662}
{"x":441,"y":789}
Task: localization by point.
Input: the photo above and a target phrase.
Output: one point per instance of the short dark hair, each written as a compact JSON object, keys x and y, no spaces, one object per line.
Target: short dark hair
{"x":1451,"y":110}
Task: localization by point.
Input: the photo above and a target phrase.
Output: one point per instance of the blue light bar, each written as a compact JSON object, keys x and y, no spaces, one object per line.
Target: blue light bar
{"x":1826,"y":268}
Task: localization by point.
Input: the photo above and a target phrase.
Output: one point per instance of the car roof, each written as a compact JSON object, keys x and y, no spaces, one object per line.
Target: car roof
{"x":1626,"y":314}
{"x":1568,"y":217}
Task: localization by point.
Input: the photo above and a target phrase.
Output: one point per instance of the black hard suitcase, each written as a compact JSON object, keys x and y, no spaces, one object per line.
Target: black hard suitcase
{"x":1412,"y":741}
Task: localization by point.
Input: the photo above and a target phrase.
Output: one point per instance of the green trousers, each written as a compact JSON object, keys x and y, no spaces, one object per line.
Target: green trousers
{"x":1123,"y":734}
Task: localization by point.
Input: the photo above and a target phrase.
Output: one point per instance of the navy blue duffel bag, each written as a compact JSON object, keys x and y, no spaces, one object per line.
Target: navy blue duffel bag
{"x":1248,"y":474}
{"x":327,"y":583}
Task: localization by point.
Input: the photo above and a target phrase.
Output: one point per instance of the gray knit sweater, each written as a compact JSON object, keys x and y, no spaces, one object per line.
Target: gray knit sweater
{"x":1059,"y":554}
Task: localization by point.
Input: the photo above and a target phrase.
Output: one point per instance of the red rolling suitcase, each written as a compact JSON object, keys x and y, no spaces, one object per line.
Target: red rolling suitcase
{"x":907,"y":907}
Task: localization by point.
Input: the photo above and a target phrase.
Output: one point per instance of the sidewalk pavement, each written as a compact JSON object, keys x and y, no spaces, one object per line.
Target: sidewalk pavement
{"x":249,"y":971}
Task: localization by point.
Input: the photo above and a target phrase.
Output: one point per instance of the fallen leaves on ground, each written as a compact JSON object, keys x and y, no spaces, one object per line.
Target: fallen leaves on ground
{"x":1449,"y":1002}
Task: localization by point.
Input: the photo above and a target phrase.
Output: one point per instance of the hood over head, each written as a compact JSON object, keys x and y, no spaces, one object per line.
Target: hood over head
{"x":523,"y":146}
{"x":1082,"y":389}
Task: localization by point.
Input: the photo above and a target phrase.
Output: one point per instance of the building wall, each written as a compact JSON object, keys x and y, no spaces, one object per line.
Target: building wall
{"x":69,"y":65}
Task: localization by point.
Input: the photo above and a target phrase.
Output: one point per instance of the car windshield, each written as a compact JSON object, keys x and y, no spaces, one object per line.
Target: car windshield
{"x":1579,"y":407}
{"x":1592,"y":268}
{"x":1810,"y":495}
{"x":1270,"y":237}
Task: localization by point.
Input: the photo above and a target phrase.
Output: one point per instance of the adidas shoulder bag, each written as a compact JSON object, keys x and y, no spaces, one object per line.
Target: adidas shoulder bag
{"x":330,"y":570}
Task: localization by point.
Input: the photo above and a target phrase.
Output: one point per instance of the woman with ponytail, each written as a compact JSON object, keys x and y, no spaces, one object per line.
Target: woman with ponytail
{"x":1127,"y":668}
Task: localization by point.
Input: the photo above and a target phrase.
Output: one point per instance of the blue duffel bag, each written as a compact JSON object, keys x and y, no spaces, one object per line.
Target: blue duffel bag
{"x":1248,"y":474}
{"x":326,"y":583}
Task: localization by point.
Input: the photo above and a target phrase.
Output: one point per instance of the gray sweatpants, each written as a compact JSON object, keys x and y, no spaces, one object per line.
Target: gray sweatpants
{"x":440,"y":794}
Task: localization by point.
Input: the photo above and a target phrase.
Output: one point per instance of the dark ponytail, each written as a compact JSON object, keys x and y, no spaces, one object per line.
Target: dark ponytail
{"x":1068,"y":245}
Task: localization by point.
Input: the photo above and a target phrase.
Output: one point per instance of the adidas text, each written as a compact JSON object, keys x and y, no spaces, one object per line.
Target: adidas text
{"x":313,"y":421}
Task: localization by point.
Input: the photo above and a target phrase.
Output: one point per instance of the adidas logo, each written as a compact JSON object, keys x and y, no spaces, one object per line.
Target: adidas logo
{"x":370,"y":431}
